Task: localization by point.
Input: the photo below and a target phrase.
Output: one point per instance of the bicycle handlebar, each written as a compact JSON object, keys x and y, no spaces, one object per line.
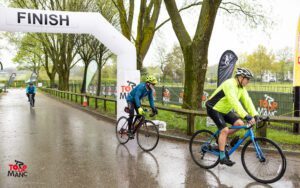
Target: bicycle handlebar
{"x":258,"y":120}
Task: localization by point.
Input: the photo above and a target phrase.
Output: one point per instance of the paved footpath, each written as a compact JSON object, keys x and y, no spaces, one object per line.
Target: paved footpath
{"x":66,"y":147}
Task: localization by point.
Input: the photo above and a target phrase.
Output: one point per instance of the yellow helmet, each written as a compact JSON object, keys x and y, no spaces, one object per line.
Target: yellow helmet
{"x":151,"y":79}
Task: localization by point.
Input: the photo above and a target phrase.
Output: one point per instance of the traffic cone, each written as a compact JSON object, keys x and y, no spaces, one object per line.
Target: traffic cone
{"x":84,"y":104}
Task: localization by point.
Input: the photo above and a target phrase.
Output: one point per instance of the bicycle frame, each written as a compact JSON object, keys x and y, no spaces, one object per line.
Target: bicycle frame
{"x":250,"y":134}
{"x":135,"y":118}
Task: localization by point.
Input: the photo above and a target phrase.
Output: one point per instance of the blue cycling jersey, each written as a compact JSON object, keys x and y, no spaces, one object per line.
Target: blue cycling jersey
{"x":31,"y":90}
{"x":138,"y":93}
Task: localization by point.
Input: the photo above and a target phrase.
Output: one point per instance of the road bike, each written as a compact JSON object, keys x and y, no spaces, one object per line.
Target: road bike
{"x":262,"y":159}
{"x":147,"y":133}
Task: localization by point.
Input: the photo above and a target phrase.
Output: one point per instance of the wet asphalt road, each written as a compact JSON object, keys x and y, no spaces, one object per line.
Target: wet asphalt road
{"x":65,"y":147}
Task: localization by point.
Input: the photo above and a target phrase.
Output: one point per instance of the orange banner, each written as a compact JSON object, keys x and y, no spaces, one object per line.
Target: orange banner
{"x":297,"y":58}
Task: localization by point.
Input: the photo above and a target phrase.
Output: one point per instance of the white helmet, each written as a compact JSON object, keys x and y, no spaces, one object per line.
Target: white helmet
{"x":244,"y":72}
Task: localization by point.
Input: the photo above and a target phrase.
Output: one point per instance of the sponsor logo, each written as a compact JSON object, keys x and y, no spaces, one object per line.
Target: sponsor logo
{"x":267,"y":106}
{"x":166,"y":95}
{"x":17,"y":170}
{"x":125,"y":89}
{"x":181,"y":97}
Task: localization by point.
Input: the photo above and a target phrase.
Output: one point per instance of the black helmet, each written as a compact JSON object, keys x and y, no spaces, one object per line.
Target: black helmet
{"x":244,"y":72}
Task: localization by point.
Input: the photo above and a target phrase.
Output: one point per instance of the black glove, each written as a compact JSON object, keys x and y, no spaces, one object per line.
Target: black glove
{"x":257,"y":118}
{"x":248,"y":118}
{"x":154,"y":111}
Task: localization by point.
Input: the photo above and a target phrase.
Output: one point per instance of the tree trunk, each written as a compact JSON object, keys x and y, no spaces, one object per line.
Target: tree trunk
{"x":83,"y":85}
{"x":99,"y":81}
{"x":194,"y":51}
{"x":189,"y":79}
{"x":64,"y":81}
{"x":52,"y":83}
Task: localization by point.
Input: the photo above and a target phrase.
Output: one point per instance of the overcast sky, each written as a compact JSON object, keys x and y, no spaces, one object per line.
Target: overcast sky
{"x":226,"y":35}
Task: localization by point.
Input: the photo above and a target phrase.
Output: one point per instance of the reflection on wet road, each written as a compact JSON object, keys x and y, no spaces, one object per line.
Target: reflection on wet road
{"x":65,"y":147}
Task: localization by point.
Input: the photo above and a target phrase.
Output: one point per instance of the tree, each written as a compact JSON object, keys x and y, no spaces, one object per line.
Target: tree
{"x":102,"y":54}
{"x":29,"y":56}
{"x":175,"y":57}
{"x":284,"y":63}
{"x":87,"y":54}
{"x":147,"y":20}
{"x":195,"y":50}
{"x":161,"y":56}
{"x":260,"y":61}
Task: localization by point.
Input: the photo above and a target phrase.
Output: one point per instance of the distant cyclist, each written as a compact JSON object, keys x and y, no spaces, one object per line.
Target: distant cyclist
{"x":230,"y":95}
{"x":134,"y":99}
{"x":31,"y":89}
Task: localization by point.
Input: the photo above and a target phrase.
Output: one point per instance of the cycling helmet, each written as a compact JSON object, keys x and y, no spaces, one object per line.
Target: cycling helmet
{"x":151,"y":79}
{"x":30,"y":83}
{"x":244,"y":72}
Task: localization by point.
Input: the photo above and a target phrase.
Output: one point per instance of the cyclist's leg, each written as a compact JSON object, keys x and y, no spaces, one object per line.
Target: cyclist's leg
{"x":131,"y":114}
{"x":219,"y":120}
{"x":33,"y":99}
{"x":233,"y":119}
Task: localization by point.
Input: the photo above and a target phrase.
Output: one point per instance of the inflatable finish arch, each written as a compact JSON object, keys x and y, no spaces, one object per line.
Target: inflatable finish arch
{"x":27,"y":20}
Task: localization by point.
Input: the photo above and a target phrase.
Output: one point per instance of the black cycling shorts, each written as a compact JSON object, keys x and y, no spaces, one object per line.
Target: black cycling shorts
{"x":221,"y":119}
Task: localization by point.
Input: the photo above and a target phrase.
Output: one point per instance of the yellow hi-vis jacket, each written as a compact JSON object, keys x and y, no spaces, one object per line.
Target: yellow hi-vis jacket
{"x":228,"y":96}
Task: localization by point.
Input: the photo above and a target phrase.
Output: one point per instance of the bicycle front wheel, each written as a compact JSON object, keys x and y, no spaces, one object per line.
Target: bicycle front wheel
{"x":122,"y":130}
{"x":263,"y":160}
{"x":204,"y":149}
{"x":148,"y":136}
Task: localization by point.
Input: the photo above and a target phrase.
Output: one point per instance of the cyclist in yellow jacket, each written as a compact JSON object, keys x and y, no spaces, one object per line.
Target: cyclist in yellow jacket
{"x":229,"y":96}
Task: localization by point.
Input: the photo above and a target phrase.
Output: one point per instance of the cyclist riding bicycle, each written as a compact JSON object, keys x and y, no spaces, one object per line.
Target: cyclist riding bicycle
{"x":226,"y":98}
{"x":134,"y":100}
{"x":31,"y":89}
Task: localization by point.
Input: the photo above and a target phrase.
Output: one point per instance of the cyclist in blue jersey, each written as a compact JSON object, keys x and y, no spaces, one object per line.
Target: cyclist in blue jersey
{"x":230,"y":95}
{"x":134,"y":100}
{"x":31,"y":89}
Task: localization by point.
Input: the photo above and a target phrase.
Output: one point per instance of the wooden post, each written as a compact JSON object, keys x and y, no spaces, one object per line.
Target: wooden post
{"x":96,"y":103}
{"x":105,"y":105}
{"x":262,"y":132}
{"x":190,"y":124}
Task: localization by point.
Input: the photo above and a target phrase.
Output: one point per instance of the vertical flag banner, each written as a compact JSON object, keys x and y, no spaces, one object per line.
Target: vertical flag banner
{"x":296,"y":82}
{"x":225,"y":70}
{"x":92,"y":69}
{"x":226,"y":66}
{"x":297,"y":58}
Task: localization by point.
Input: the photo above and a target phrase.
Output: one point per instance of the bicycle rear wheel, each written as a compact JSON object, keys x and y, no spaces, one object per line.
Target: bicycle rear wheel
{"x":122,"y":130}
{"x":30,"y":100}
{"x":204,"y":149}
{"x":147,"y":136}
{"x":271,"y":167}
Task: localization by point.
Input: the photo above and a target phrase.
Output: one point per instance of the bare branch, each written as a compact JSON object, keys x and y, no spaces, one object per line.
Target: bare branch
{"x":238,"y":9}
{"x":184,"y":8}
